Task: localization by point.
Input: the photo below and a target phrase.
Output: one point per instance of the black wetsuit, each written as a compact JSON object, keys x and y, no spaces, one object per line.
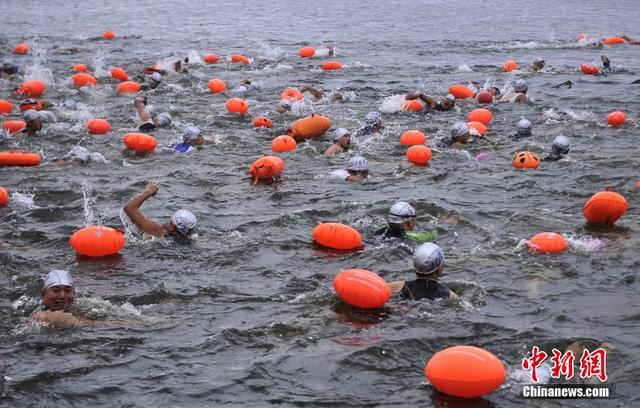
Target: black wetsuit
{"x":391,"y":233}
{"x":448,"y":142}
{"x":424,"y":289}
{"x":553,"y":157}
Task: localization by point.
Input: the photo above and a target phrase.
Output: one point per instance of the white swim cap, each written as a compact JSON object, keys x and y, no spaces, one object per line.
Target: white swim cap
{"x":190,"y":133}
{"x":520,"y":85}
{"x":538,"y":60}
{"x":358,"y":163}
{"x":57,"y":278}
{"x":401,"y":212}
{"x":561,"y":145}
{"x":285,"y":102}
{"x":81,"y":153}
{"x":156,"y":76}
{"x":339,"y":133}
{"x":372,"y":118}
{"x":427,"y":258}
{"x":30,"y":115}
{"x":459,"y":129}
{"x":185,"y":221}
{"x":164,"y":119}
{"x":450,"y":97}
{"x":524,"y":127}
{"x":70,"y":104}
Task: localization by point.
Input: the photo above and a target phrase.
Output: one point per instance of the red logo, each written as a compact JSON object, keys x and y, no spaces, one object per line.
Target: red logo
{"x":591,"y":363}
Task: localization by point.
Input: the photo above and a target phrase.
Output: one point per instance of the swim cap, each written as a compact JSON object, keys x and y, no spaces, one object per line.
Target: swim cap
{"x":31,"y":115}
{"x":242,"y":88}
{"x":190,"y":133}
{"x":450,"y":97}
{"x":285,"y":102}
{"x":81,"y":153}
{"x":156,"y":76}
{"x":358,"y":163}
{"x":372,"y":118}
{"x":427,"y":258}
{"x":164,"y":119}
{"x":70,"y":104}
{"x":57,"y":278}
{"x":400,"y":212}
{"x":459,"y":129}
{"x":4,"y":136}
{"x":29,"y":101}
{"x":340,"y":132}
{"x":185,"y":221}
{"x":485,"y":97}
{"x":520,"y":85}
{"x":538,"y":60}
{"x":524,"y":127}
{"x":561,"y":145}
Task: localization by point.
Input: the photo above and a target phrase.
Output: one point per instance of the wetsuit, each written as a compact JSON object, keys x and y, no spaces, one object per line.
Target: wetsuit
{"x":553,"y":157}
{"x":183,"y":148}
{"x":448,"y":142}
{"x":424,"y":289}
{"x":391,"y":233}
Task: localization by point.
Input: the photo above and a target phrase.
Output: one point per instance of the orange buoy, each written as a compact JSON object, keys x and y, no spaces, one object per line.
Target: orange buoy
{"x":307,"y":52}
{"x":465,"y":371}
{"x":26,"y":105}
{"x":310,"y":127}
{"x":581,"y":37}
{"x":616,"y":118}
{"x":331,"y":66}
{"x":211,"y":59}
{"x":266,"y":168}
{"x":460,"y":91}
{"x":362,"y":288}
{"x":236,"y":58}
{"x":79,"y":68}
{"x":419,"y":154}
{"x":525,"y":160}
{"x":33,"y":87}
{"x":485,"y":97}
{"x":478,"y":126}
{"x":613,"y":40}
{"x":291,"y":94}
{"x":262,"y":122}
{"x":217,"y":85}
{"x":413,"y":137}
{"x":21,"y":48}
{"x":605,"y":207}
{"x":413,"y":105}
{"x":119,"y":74}
{"x":481,"y":115}
{"x":83,"y":79}
{"x":108,"y":35}
{"x":548,"y":243}
{"x":140,"y":142}
{"x":128,"y":87}
{"x":19,"y":158}
{"x":283,"y":143}
{"x":97,"y":241}
{"x":5,"y":106}
{"x":14,"y":126}
{"x":509,"y":66}
{"x":337,"y":236}
{"x":150,"y":71}
{"x":98,"y":126}
{"x":237,"y":105}
{"x":589,"y":69}
{"x":4,"y":197}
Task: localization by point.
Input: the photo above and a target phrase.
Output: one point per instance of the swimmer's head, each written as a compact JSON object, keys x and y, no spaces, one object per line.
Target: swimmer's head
{"x":192,"y":136}
{"x":30,"y":103}
{"x":58,"y":291}
{"x":448,"y":102}
{"x":373,"y":118}
{"x":460,"y":132}
{"x":524,"y":127}
{"x":520,"y":86}
{"x":156,"y":77}
{"x":183,"y":223}
{"x":358,"y":166}
{"x":494,"y":90}
{"x":538,"y":63}
{"x":402,"y":215}
{"x":81,"y":153}
{"x":561,"y":145}
{"x":283,"y":106}
{"x":164,"y":119}
{"x":428,"y":258}
{"x":33,"y":119}
{"x":342,"y":137}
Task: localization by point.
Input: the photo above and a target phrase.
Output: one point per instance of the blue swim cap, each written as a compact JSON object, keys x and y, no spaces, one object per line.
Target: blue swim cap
{"x":372,"y":118}
{"x":358,"y":163}
{"x":427,"y":258}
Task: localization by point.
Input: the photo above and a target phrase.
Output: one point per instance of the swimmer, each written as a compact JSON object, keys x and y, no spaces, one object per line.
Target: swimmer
{"x":180,"y":227}
{"x":33,"y":103}
{"x":180,"y":66}
{"x":146,"y":123}
{"x":283,"y":107}
{"x":341,"y":142}
{"x":460,"y":135}
{"x":519,"y":94}
{"x":428,"y":260}
{"x":8,"y":69}
{"x":630,"y":40}
{"x":372,"y":124}
{"x":77,"y":153}
{"x":357,"y":169}
{"x":152,"y":81}
{"x":401,"y":221}
{"x":559,"y":148}
{"x":606,"y":64}
{"x":524,"y":127}
{"x":34,"y":121}
{"x":58,"y":295}
{"x":538,"y":64}
{"x":446,"y":103}
{"x":318,"y":94}
{"x":192,"y":139}
{"x":246,"y":86}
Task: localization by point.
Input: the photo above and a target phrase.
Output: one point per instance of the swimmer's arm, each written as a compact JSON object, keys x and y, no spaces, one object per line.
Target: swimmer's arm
{"x":431,"y":103}
{"x":208,"y":141}
{"x":132,"y":209}
{"x":316,"y":93}
{"x":396,"y":287}
{"x":58,"y":318}
{"x":412,"y":96}
{"x":158,"y":70}
{"x":522,"y":98}
{"x":452,"y":294}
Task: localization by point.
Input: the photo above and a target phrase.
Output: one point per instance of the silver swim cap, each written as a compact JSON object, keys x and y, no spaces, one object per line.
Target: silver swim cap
{"x":372,"y":118}
{"x":156,"y":76}
{"x":427,"y":258}
{"x":450,"y":97}
{"x":401,"y":212}
{"x":561,"y":145}
{"x":459,"y":129}
{"x":30,"y":115}
{"x":185,"y":221}
{"x":81,"y":153}
{"x":190,"y":133}
{"x":538,"y":60}
{"x":524,"y":127}
{"x":57,"y":278}
{"x":520,"y":85}
{"x":339,"y":133}
{"x":70,"y":104}
{"x":164,"y":119}
{"x":285,"y":102}
{"x":358,"y":163}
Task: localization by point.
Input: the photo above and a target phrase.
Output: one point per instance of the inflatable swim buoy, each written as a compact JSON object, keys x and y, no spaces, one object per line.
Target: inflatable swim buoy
{"x":216,"y":86}
{"x":307,"y":52}
{"x":5,"y":106}
{"x":589,"y":69}
{"x":291,"y":94}
{"x":460,"y":91}
{"x":419,"y":154}
{"x":97,"y":241}
{"x":412,"y":105}
{"x":83,"y":79}
{"x":236,"y":58}
{"x":581,"y":37}
{"x":478,"y":126}
{"x":18,"y":158}
{"x":362,"y":288}
{"x":79,"y":68}
{"x":4,"y":197}
{"x":337,"y":236}
{"x":21,"y":48}
{"x":331,"y":66}
{"x":605,"y":207}
{"x":237,"y":105}
{"x":283,"y":143}
{"x":310,"y":127}
{"x":465,"y":371}
{"x":413,"y":137}
{"x":14,"y":126}
{"x":24,"y":106}
{"x":211,"y":59}
{"x":548,"y":243}
{"x":616,"y":118}
{"x":509,"y":66}
{"x":98,"y":126}
{"x":481,"y":115}
{"x":485,"y":97}
{"x":128,"y":87}
{"x":119,"y":74}
{"x":266,"y":168}
{"x":31,"y":88}
{"x":140,"y":142}
{"x":613,"y":40}
{"x":262,"y":122}
{"x":525,"y":160}
{"x":108,"y":35}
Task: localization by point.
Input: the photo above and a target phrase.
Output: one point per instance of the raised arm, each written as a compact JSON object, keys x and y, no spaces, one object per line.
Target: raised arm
{"x":132,"y":209}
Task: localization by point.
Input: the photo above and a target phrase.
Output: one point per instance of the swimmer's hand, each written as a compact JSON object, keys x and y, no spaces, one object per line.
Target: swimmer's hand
{"x":58,"y":318}
{"x":152,"y":188}
{"x":422,"y":237}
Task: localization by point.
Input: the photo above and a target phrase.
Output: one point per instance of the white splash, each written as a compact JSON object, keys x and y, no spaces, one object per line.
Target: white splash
{"x":23,"y":199}
{"x":88,"y":202}
{"x":392,"y":103}
{"x":464,"y":68}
